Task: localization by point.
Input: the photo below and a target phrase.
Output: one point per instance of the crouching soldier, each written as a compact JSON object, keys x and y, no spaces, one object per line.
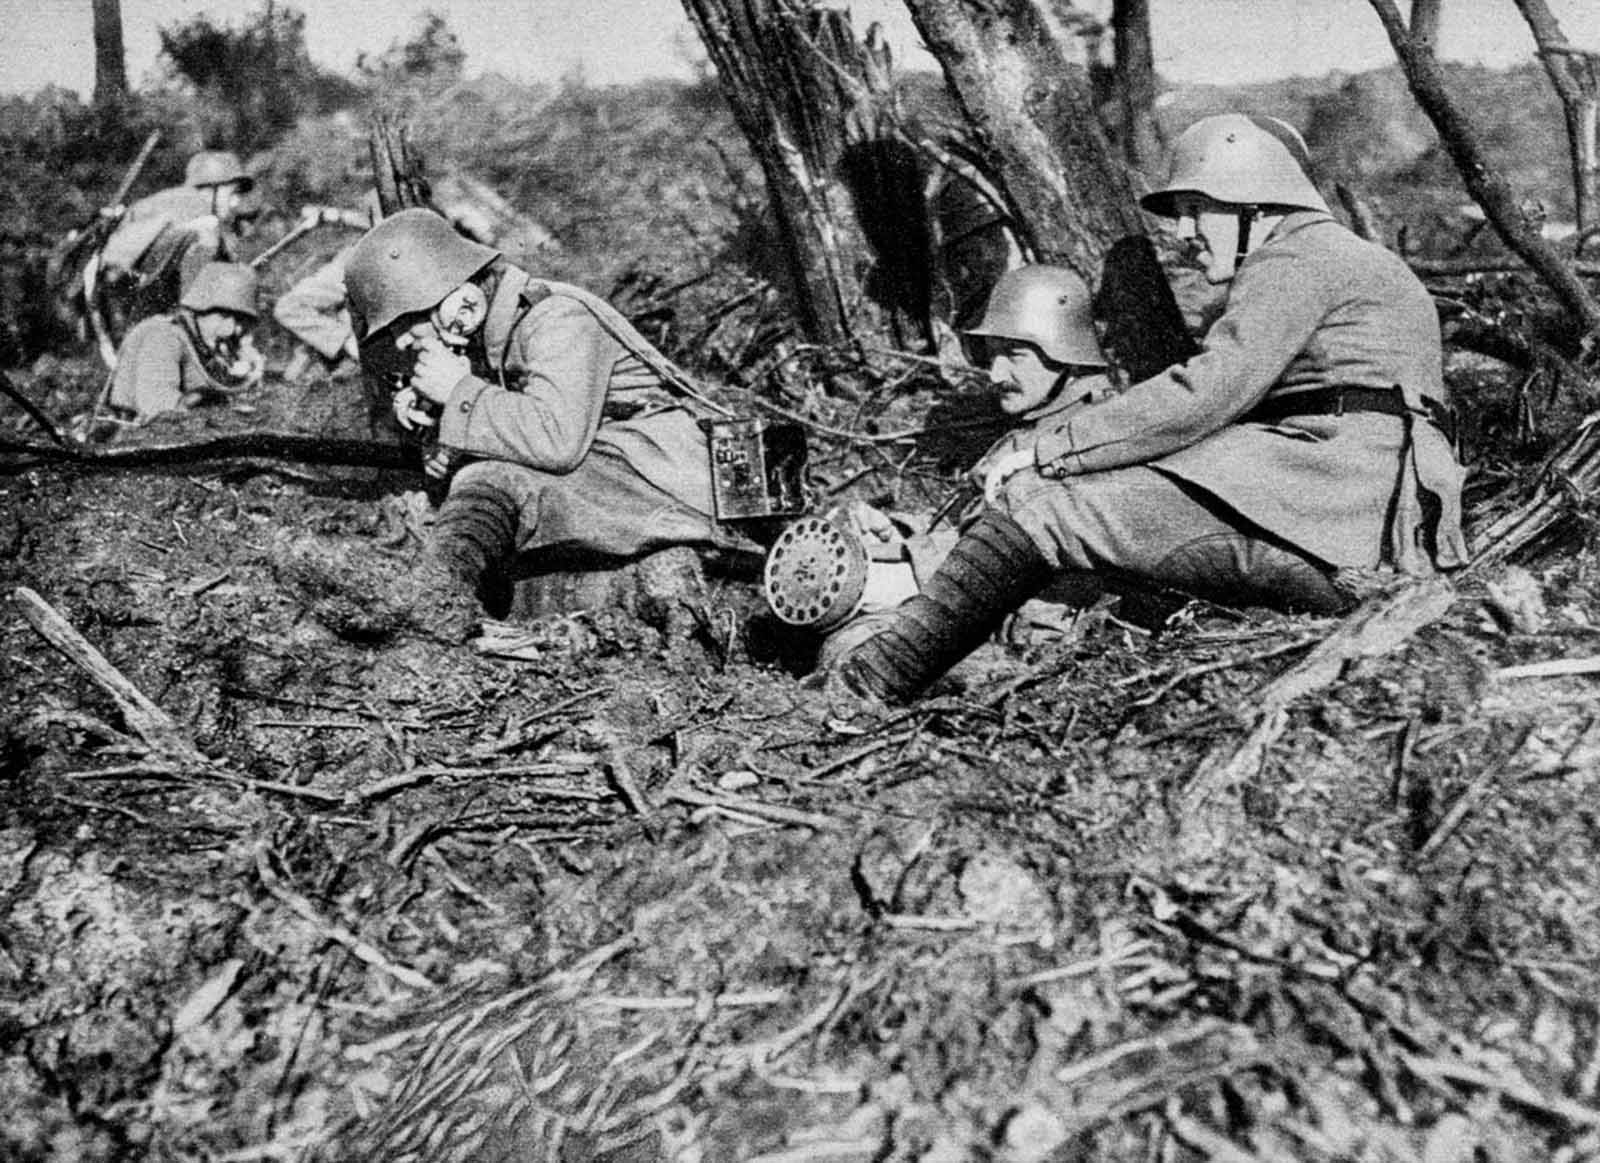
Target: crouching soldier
{"x":163,"y":240}
{"x":840,"y":573}
{"x":200,"y":353}
{"x":549,"y":408}
{"x":1305,"y":443}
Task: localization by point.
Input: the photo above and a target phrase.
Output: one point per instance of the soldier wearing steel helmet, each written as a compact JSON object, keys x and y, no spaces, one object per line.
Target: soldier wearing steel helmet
{"x":553,"y":400}
{"x":1039,"y":342}
{"x":162,"y":240}
{"x":197,"y":354}
{"x":1304,"y":446}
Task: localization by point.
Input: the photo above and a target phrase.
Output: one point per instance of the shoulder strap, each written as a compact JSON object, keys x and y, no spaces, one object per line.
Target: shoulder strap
{"x":619,"y":328}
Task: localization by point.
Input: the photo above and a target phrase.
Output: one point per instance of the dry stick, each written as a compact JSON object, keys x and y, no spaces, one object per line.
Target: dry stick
{"x":417,"y":775}
{"x":854,"y":756}
{"x":1476,"y":792}
{"x":1206,"y":668}
{"x":1552,"y":668}
{"x":622,"y":772}
{"x":1217,"y":1147}
{"x":1510,"y":1087}
{"x":147,"y":720}
{"x":338,"y":934}
{"x":35,"y":413}
{"x":763,"y":811}
{"x":1378,"y":625}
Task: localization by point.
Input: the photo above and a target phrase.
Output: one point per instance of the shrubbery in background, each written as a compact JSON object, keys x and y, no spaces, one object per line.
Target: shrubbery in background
{"x":257,"y":80}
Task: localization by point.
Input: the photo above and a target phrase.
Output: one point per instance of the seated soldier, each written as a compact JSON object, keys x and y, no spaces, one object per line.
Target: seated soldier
{"x":198,"y":354}
{"x":1303,"y":445}
{"x":1038,"y":340}
{"x":162,"y":240}
{"x":555,"y":406}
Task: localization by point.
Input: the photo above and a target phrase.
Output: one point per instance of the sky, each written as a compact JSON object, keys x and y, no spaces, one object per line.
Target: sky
{"x":620,"y":41}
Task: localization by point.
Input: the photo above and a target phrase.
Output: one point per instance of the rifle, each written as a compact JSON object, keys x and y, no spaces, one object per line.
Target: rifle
{"x":312,"y":217}
{"x":94,"y":232}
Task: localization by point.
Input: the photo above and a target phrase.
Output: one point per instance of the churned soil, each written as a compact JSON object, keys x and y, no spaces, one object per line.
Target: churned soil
{"x":623,"y":883}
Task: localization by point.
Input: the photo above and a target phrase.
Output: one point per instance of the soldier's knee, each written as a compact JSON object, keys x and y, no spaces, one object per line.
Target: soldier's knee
{"x":515,"y":480}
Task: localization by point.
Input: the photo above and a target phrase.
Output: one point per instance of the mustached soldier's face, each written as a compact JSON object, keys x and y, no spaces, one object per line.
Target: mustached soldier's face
{"x":1021,"y":376}
{"x":1212,"y":229}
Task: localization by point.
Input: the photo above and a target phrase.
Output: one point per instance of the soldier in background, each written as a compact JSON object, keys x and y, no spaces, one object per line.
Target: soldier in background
{"x":199,"y":353}
{"x":162,"y":241}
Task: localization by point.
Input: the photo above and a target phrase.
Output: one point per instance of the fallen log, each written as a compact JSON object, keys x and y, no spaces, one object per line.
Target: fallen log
{"x":17,"y":456}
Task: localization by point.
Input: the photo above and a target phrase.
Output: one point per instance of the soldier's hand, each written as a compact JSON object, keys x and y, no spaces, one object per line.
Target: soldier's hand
{"x":411,"y":412}
{"x":1003,"y":470}
{"x":438,"y":371}
{"x":870,"y":522}
{"x":249,"y":365}
{"x":438,"y":463}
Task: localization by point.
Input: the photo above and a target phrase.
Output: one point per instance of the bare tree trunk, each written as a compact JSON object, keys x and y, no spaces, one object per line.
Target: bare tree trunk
{"x":1028,"y":103}
{"x":110,"y":61}
{"x":1575,"y":76}
{"x":1136,"y":81}
{"x":1491,"y":189}
{"x":1425,"y":16}
{"x":814,"y":105}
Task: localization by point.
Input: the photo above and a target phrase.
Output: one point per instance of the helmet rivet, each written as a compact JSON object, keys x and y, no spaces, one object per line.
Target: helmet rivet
{"x":394,"y":252}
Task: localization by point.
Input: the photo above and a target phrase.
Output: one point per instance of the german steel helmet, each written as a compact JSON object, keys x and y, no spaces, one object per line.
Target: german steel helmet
{"x":408,"y":262}
{"x":1247,"y":161}
{"x":1047,"y":306}
{"x":213,"y":167}
{"x":223,"y":286}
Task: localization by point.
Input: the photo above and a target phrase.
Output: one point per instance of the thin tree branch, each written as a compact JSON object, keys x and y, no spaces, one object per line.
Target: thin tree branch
{"x":1487,"y":185}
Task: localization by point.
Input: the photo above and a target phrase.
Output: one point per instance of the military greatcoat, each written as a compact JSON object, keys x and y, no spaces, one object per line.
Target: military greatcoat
{"x":1313,"y":307}
{"x":575,"y":425}
{"x":159,"y":369}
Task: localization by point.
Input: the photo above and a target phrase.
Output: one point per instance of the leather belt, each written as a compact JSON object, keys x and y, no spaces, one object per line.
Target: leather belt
{"x":1338,"y":401}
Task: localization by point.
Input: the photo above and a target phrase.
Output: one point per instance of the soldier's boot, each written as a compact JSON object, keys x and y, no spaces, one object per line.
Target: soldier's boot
{"x":992,"y":570}
{"x":474,"y":533}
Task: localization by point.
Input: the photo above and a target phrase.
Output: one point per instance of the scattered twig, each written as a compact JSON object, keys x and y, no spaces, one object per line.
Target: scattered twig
{"x":1554,"y":668}
{"x":737,"y":999}
{"x":338,"y":934}
{"x":419,"y":775}
{"x":147,"y":720}
{"x":856,"y":755}
{"x":1468,"y":801}
{"x":35,"y":413}
{"x":762,"y":811}
{"x":1204,"y":668}
{"x":1216,"y":1147}
{"x":1377,"y":626}
{"x":622,"y":774}
{"x":1511,"y":1087}
{"x":756,"y":1055}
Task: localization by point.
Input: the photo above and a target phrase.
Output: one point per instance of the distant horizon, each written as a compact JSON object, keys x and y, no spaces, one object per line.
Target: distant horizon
{"x":1196,"y":42}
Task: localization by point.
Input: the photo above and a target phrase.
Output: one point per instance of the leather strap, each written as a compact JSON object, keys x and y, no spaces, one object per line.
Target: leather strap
{"x":1338,"y":401}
